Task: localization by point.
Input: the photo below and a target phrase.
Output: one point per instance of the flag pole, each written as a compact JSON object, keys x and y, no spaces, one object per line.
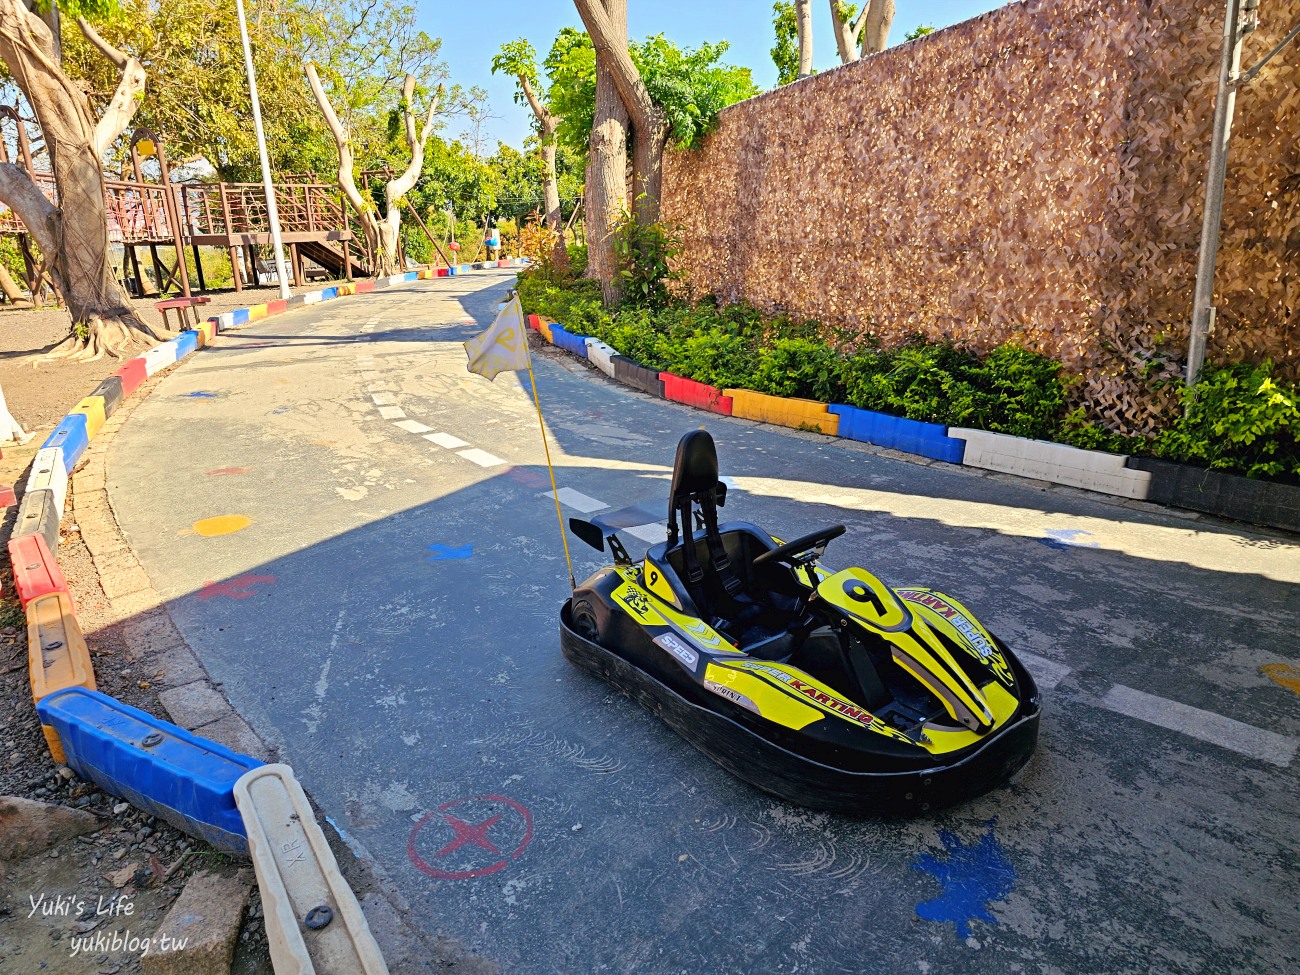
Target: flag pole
{"x":550,"y":469}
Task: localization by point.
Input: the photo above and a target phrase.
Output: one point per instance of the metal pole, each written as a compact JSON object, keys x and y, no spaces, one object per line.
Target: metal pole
{"x":272,"y":216}
{"x":1224,"y":104}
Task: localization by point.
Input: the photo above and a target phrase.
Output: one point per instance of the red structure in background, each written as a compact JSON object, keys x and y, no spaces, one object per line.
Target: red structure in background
{"x":173,"y":216}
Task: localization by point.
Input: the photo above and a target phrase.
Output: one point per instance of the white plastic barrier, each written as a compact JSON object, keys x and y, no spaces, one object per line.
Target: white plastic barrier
{"x":159,"y":357}
{"x":313,"y":921}
{"x":600,"y":355}
{"x":48,"y":473}
{"x":1088,"y":469}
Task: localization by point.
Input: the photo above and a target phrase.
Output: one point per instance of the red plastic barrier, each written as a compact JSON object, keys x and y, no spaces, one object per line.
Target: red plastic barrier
{"x":36,"y":572}
{"x":691,"y":393}
{"x":133,"y":374}
{"x":534,"y":323}
{"x":364,"y":286}
{"x":277,"y":307}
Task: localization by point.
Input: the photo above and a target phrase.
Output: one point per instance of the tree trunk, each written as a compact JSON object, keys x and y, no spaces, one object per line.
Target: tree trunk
{"x":649,"y":126}
{"x":11,"y":430}
{"x":606,"y":198}
{"x":875,"y":34}
{"x":74,"y":236}
{"x":13,"y":293}
{"x":803,"y":20}
{"x":848,"y":32}
{"x":550,"y":186}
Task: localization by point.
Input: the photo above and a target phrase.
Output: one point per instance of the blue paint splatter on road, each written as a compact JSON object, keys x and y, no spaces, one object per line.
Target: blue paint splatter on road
{"x":1063,"y":538}
{"x":200,"y":394}
{"x":442,"y":553}
{"x":971,"y":876}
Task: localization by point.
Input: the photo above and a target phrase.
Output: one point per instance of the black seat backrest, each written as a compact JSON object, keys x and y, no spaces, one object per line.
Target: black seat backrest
{"x":695,"y":469}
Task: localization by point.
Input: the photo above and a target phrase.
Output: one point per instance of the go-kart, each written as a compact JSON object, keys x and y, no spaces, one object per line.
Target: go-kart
{"x":828,"y":689}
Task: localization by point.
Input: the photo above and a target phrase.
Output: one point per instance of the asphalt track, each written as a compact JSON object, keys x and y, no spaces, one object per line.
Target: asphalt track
{"x":387,"y":619}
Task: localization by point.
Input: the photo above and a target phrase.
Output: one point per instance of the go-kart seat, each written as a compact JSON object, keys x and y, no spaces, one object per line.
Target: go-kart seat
{"x":715,"y":567}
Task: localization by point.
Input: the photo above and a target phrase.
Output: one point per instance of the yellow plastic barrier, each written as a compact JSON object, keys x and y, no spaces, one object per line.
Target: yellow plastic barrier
{"x":544,"y":326}
{"x":57,"y":656}
{"x":313,"y":920}
{"x":93,"y":408}
{"x":257,"y":312}
{"x":802,"y":414}
{"x":347,"y":289}
{"x":205,"y":330}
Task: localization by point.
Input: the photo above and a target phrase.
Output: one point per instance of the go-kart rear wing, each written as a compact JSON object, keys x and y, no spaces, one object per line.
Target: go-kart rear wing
{"x":604,"y":528}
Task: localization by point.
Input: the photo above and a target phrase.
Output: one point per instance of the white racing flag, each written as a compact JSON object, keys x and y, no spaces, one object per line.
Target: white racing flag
{"x":503,"y":347}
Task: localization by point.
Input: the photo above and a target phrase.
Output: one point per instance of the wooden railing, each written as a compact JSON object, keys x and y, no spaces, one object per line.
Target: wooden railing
{"x":142,"y":211}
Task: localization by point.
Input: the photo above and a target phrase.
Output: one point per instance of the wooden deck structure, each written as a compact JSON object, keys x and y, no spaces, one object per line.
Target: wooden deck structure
{"x":162,"y":216}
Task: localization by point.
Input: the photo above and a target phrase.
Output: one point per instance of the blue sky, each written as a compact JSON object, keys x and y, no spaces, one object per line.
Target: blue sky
{"x":473,"y":32}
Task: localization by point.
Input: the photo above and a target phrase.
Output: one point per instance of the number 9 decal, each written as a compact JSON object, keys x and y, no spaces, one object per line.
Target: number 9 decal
{"x":890,"y":617}
{"x":652,"y":577}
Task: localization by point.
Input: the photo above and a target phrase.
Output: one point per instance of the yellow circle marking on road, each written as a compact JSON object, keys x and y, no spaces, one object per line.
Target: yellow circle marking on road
{"x":222,"y":525}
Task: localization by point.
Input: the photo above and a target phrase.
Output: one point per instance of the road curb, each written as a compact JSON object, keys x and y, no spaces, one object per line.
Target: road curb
{"x":1132,"y":481}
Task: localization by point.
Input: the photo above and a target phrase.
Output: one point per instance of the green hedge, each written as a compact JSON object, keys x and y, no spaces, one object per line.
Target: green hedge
{"x":1238,"y":419}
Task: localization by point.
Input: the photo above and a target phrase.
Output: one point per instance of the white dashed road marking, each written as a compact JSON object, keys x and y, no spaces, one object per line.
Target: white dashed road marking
{"x":412,"y":426}
{"x":1205,"y":725}
{"x":577,"y":500}
{"x":446,"y":440}
{"x":1048,"y":673}
{"x":652,"y":533}
{"x":392,"y":412}
{"x":480,"y":457}
{"x":383,"y":399}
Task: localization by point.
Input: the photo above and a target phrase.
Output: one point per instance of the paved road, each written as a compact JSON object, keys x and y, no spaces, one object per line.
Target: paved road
{"x":388,"y":620}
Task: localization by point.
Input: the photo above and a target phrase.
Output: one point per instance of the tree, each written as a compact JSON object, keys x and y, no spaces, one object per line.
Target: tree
{"x":859,"y":33}
{"x":198,"y":101}
{"x":803,"y":30}
{"x":682,"y":90}
{"x":921,"y":31}
{"x":520,"y":59}
{"x":73,"y":236}
{"x":382,"y":233}
{"x":785,"y":53}
{"x":649,"y":122}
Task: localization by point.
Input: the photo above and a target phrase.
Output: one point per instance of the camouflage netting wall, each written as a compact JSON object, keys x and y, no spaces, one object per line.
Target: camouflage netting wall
{"x":1035,"y":174}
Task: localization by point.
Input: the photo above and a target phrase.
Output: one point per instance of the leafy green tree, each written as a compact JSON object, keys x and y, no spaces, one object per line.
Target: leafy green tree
{"x":785,"y":53}
{"x":921,"y":31}
{"x":198,"y":100}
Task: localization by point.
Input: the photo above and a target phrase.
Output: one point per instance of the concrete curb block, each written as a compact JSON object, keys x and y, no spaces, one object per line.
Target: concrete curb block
{"x":1044,"y":461}
{"x":1217,"y":493}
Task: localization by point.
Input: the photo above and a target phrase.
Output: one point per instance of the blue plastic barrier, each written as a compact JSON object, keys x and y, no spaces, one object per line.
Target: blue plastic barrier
{"x":186,"y":343}
{"x":240,"y":316}
{"x":328,"y":293}
{"x":562,"y":338}
{"x":411,"y":276}
{"x":72,"y":436}
{"x":158,"y":767}
{"x":910,"y":436}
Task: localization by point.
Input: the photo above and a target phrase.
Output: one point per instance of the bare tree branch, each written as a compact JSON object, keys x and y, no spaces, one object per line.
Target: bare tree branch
{"x":108,"y":50}
{"x":24,"y":198}
{"x":343,"y":139}
{"x":122,"y":106}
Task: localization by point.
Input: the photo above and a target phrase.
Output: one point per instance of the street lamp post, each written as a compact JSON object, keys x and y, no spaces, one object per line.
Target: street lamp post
{"x":272,"y":215}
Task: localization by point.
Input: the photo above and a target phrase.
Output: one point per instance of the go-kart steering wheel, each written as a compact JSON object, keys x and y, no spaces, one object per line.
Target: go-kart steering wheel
{"x":785,"y":553}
